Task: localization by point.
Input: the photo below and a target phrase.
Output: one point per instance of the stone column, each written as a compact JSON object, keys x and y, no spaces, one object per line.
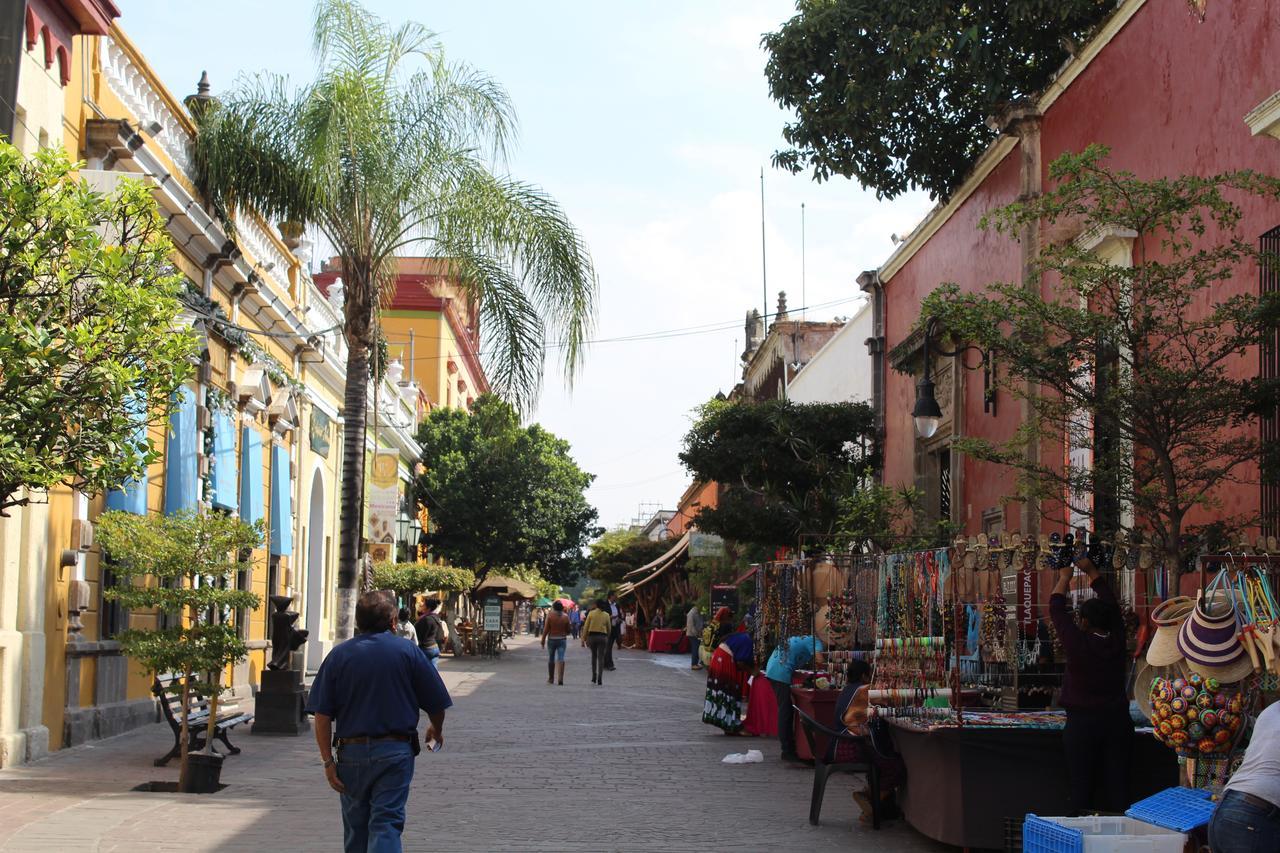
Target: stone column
{"x":24,"y":554}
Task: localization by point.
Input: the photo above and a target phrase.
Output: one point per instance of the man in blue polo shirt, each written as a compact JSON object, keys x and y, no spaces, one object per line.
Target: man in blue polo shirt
{"x":373,"y":686}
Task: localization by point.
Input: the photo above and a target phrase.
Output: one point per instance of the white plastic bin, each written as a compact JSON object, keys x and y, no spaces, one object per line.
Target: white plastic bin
{"x":1122,"y":835}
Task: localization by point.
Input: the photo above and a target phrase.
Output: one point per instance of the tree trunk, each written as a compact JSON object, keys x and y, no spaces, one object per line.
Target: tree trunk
{"x":184,"y":733}
{"x":351,"y":523}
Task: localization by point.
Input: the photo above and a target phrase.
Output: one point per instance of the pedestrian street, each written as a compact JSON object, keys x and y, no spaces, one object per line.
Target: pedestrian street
{"x":526,"y":766}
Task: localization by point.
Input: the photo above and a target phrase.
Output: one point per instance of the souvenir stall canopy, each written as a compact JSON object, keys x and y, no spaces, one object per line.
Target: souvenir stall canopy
{"x":663,"y":581}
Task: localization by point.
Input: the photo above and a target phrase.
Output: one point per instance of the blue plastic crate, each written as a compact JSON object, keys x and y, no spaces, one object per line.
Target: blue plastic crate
{"x":1045,"y":836}
{"x":1179,"y":809}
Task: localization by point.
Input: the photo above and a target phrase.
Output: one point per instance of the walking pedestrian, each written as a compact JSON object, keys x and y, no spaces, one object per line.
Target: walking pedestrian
{"x":789,"y":656}
{"x":430,"y":631}
{"x":575,"y":621}
{"x":1099,"y":733}
{"x":596,"y":633}
{"x":555,"y":637}
{"x":615,"y":630}
{"x":693,"y":630}
{"x":1248,"y":817}
{"x":404,"y":624}
{"x":366,"y":698}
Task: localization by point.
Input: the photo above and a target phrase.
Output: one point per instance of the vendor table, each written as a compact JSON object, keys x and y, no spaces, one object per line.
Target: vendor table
{"x":762,"y":708}
{"x":672,"y":640}
{"x":962,"y":783}
{"x":819,"y":704}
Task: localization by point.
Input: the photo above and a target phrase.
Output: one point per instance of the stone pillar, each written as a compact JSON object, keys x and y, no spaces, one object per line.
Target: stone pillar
{"x":23,"y":559}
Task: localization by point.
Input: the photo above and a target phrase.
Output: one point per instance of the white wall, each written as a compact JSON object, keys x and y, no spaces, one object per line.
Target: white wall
{"x":841,"y":371}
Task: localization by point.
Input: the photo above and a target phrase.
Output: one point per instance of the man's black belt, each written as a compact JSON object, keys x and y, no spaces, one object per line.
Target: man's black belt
{"x":347,"y":741}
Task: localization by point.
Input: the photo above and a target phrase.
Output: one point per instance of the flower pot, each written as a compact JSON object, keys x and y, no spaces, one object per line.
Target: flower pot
{"x":204,"y":769}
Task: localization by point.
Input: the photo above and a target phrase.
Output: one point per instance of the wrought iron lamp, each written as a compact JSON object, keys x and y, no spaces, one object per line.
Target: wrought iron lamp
{"x":927,"y":414}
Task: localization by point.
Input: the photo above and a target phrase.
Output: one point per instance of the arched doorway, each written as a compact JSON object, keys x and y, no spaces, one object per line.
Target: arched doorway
{"x":315,"y":572}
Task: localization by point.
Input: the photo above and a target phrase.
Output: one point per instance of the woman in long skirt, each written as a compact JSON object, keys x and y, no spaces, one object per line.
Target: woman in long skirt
{"x":727,"y":677}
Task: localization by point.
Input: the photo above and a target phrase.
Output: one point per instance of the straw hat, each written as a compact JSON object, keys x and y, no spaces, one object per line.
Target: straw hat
{"x":1207,"y":639}
{"x":1168,"y":617}
{"x":1142,"y":688}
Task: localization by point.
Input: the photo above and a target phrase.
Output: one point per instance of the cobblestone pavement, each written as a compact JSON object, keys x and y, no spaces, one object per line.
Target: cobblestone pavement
{"x":628,"y":766}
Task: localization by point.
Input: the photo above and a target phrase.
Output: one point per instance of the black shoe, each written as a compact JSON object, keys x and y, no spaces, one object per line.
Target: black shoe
{"x":791,"y":756}
{"x":610,"y":669}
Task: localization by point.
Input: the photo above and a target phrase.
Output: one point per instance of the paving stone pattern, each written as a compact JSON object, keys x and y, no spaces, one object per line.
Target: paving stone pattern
{"x":628,"y":766}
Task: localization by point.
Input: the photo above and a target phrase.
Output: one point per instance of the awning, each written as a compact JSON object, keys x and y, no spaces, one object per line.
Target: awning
{"x":676,"y":550}
{"x":505,"y":587}
{"x":181,"y":472}
{"x":665,"y":562}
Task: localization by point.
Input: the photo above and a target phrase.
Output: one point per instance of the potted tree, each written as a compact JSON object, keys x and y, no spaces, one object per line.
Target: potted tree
{"x":183,"y":565}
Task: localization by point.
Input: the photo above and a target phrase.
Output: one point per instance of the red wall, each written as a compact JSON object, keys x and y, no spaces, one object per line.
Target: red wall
{"x":1168,"y":95}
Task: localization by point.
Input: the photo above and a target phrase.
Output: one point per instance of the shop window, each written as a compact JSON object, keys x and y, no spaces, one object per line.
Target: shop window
{"x":112,"y":616}
{"x":244,"y":581}
{"x":944,"y":484}
{"x":273,"y":578}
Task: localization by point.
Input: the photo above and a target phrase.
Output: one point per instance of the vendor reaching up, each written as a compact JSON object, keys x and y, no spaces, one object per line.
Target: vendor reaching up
{"x":1099,"y":732}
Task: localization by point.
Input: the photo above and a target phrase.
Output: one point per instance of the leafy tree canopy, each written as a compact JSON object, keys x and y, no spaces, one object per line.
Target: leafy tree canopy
{"x":783,"y":466}
{"x":500,"y":495}
{"x":89,"y":331}
{"x":896,"y":95}
{"x":408,"y":579}
{"x":620,"y":550}
{"x":1151,"y":367}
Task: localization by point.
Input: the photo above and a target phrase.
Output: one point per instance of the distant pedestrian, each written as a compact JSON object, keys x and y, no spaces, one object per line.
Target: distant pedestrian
{"x":575,"y":621}
{"x":659,"y":618}
{"x":615,"y":630}
{"x":693,"y":630}
{"x":596,"y":634}
{"x":404,"y":625}
{"x":372,"y":688}
{"x":555,"y":637}
{"x":430,"y":631}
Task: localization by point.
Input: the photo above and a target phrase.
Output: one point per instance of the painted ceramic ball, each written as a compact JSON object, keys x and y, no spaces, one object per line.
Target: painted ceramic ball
{"x":1179,"y":683}
{"x":1209,"y":719}
{"x":1233,"y":724}
{"x":1195,"y":730}
{"x":1163,"y":710}
{"x":1221,"y":700}
{"x":1177,"y":721}
{"x":1204,"y":701}
{"x":1206,"y":745}
{"x":1235,"y":704}
{"x":1179,"y":705}
{"x":1221,"y":736}
{"x":1165,"y":728}
{"x":1195,"y":680}
{"x":1177,"y":739}
{"x":1188,"y":693}
{"x":1193,"y":713}
{"x":1212,"y":685}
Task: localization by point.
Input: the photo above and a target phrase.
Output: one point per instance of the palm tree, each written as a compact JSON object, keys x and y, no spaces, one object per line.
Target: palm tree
{"x":392,"y":149}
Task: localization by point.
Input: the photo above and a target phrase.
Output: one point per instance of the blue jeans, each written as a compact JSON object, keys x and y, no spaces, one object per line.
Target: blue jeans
{"x":555,"y":648}
{"x":377,"y":777}
{"x":694,"y":644}
{"x":431,"y":653}
{"x":1239,"y":826}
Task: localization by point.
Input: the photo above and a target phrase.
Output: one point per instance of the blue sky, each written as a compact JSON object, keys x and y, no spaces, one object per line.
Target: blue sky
{"x":649,"y":122}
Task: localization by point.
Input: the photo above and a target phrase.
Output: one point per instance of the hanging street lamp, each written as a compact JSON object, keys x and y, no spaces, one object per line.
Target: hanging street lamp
{"x":927,"y":414}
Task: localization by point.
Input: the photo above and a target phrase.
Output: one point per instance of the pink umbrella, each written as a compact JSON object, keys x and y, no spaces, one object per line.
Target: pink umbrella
{"x":568,"y":605}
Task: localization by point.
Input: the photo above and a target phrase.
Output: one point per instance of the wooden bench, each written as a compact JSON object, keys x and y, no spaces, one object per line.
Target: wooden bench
{"x":168,"y":691}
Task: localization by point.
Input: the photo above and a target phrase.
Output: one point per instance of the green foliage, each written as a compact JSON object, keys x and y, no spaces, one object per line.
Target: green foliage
{"x":620,"y":551}
{"x":185,"y":565}
{"x":501,"y":495}
{"x":887,"y":519}
{"x":896,"y":95}
{"x":783,"y":466}
{"x":533,"y":576}
{"x":88,"y":327}
{"x":407,"y":579}
{"x":1143,"y":363}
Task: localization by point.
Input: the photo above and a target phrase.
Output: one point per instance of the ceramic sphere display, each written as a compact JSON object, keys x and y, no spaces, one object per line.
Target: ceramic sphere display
{"x":1193,"y":715}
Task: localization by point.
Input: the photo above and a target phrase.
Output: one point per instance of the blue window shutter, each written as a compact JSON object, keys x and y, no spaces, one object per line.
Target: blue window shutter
{"x":132,"y":495}
{"x":224,"y":462}
{"x":250,"y":475}
{"x":281,"y":503}
{"x":181,"y":480}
